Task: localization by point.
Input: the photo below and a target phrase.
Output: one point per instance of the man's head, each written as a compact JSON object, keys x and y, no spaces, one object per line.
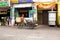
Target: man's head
{"x":22,"y":15}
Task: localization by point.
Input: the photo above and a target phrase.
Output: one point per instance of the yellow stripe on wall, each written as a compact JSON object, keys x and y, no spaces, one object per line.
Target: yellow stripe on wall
{"x":58,"y":14}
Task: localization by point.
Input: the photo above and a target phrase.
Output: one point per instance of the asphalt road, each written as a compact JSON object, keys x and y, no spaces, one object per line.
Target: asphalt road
{"x":39,"y":33}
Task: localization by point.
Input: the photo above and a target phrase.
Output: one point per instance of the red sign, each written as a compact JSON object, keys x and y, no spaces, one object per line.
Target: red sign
{"x":23,"y":10}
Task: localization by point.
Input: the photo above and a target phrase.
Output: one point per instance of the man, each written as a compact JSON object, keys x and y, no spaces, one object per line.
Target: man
{"x":22,"y":20}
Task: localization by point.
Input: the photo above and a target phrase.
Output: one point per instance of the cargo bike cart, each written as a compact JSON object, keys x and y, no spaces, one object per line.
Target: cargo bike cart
{"x":27,"y":23}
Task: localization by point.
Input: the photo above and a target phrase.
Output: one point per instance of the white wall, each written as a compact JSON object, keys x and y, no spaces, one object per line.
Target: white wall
{"x":22,"y":5}
{"x":44,"y":0}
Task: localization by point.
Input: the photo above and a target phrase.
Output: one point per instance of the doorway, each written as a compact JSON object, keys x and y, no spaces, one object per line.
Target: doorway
{"x":43,"y":17}
{"x":40,"y":20}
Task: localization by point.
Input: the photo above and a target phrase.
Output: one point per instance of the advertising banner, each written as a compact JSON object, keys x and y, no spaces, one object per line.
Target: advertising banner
{"x":14,"y":1}
{"x":22,"y":1}
{"x":3,"y":4}
{"x":47,"y":6}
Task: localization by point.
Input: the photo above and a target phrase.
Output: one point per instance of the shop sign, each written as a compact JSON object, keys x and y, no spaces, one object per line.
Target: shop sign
{"x":3,"y":4}
{"x":23,"y":10}
{"x":24,"y":1}
{"x":47,"y":6}
{"x":14,"y":1}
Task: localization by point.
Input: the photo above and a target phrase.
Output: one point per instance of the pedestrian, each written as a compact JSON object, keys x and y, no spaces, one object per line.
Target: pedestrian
{"x":9,"y":21}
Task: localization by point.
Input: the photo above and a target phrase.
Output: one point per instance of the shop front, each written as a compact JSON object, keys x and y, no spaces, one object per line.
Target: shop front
{"x":25,"y":8}
{"x":46,"y":13}
{"x":19,"y":10}
{"x":4,"y":13}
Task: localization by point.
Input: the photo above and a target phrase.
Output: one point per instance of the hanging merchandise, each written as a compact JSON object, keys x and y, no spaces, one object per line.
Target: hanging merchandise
{"x":47,"y":6}
{"x":31,"y":13}
{"x":11,"y":12}
{"x":14,"y":1}
{"x":17,"y":14}
{"x":3,"y":12}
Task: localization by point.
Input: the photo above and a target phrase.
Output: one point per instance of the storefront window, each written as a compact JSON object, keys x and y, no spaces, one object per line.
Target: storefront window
{"x":24,"y":11}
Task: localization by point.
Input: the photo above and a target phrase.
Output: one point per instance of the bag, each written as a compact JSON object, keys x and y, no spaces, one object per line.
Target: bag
{"x":18,"y":19}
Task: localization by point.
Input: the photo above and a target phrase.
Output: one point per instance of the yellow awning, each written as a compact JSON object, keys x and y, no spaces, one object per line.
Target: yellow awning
{"x":46,"y":5}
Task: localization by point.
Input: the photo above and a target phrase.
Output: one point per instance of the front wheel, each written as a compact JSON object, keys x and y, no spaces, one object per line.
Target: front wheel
{"x":31,"y":27}
{"x":52,"y":25}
